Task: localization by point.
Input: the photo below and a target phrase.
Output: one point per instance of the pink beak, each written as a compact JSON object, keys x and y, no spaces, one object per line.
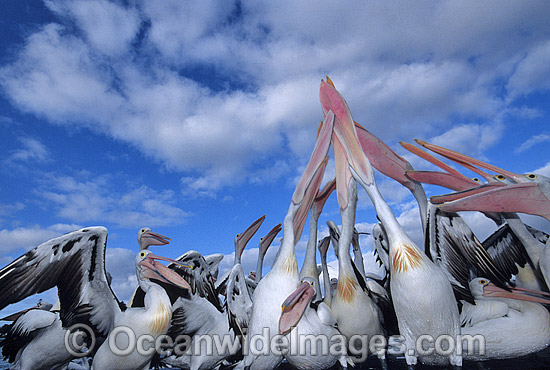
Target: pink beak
{"x":155,"y":270}
{"x":294,"y":307}
{"x":492,"y":290}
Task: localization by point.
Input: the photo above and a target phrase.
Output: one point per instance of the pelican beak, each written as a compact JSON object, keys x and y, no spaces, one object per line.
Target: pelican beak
{"x":152,"y":238}
{"x":308,"y":186}
{"x":350,"y":160}
{"x":491,"y":290}
{"x":468,"y":161}
{"x":243,"y":238}
{"x":151,"y":269}
{"x":525,"y":197}
{"x":323,"y":247}
{"x":444,"y":179}
{"x":266,"y":241}
{"x":294,"y":307}
{"x":322,"y":197}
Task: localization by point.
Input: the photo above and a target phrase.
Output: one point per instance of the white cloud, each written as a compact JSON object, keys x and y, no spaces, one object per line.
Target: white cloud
{"x":119,"y":262}
{"x":532,"y":72}
{"x":532,"y":141}
{"x":473,"y":139}
{"x":25,"y":238}
{"x":107,"y":26}
{"x":32,"y":151}
{"x":95,"y":199}
{"x":216,"y":89}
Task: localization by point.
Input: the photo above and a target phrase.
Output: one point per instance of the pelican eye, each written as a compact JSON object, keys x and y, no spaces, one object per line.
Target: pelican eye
{"x":483,"y":281}
{"x":531,"y":176}
{"x":142,"y":254}
{"x":500,"y":177}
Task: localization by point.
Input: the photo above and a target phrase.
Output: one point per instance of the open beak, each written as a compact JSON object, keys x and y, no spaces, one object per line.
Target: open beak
{"x":152,"y":238}
{"x":522,"y":294}
{"x":294,"y":307}
{"x":151,"y":269}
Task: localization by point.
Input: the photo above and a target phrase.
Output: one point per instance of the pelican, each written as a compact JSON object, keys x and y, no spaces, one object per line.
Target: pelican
{"x":315,"y":321}
{"x":75,"y":264}
{"x":430,"y":311}
{"x":511,"y":323}
{"x":200,"y":314}
{"x":532,"y":241}
{"x":240,"y":241}
{"x":283,"y":278}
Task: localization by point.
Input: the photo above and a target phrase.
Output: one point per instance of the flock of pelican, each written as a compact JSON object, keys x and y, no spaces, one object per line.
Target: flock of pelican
{"x":451,"y":287}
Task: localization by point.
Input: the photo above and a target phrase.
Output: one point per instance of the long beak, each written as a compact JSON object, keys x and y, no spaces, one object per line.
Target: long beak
{"x":152,"y":238}
{"x":308,"y":186}
{"x":323,"y":247}
{"x":266,"y":241}
{"x":492,"y":290}
{"x":345,"y":141}
{"x":322,"y":197}
{"x":464,"y":159}
{"x":294,"y":307}
{"x":155,"y":270}
{"x":243,"y":238}
{"x":524,"y":197}
{"x":444,"y":179}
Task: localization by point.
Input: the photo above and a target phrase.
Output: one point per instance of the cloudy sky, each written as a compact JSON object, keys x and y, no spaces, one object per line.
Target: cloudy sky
{"x":196,"y":118}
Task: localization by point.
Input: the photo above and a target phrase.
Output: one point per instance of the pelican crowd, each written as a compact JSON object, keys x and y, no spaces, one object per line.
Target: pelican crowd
{"x":452,"y":299}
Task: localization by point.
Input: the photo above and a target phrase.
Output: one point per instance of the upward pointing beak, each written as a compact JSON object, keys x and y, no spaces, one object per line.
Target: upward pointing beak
{"x":151,"y":269}
{"x":266,"y":241}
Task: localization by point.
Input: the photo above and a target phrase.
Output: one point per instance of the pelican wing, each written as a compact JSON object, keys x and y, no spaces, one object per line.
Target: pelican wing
{"x":453,"y":246}
{"x":197,"y":274}
{"x":506,"y":249}
{"x":75,"y":263}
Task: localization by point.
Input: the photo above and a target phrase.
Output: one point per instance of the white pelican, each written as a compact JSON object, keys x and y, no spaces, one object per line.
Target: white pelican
{"x":200,"y":315}
{"x":283,"y":278}
{"x":431,"y":310}
{"x":240,"y":241}
{"x":75,"y":264}
{"x":512,"y":323}
{"x":531,"y":242}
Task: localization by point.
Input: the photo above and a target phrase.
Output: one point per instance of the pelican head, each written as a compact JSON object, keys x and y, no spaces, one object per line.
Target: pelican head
{"x":295,"y":305}
{"x":146,"y":238}
{"x":147,"y":268}
{"x":481,"y":287}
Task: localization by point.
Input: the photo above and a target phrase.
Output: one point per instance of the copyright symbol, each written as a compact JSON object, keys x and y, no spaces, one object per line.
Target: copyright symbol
{"x":77,"y":338}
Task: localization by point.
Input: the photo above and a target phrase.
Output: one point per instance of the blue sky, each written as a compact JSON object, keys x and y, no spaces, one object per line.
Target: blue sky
{"x":196,"y":118}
